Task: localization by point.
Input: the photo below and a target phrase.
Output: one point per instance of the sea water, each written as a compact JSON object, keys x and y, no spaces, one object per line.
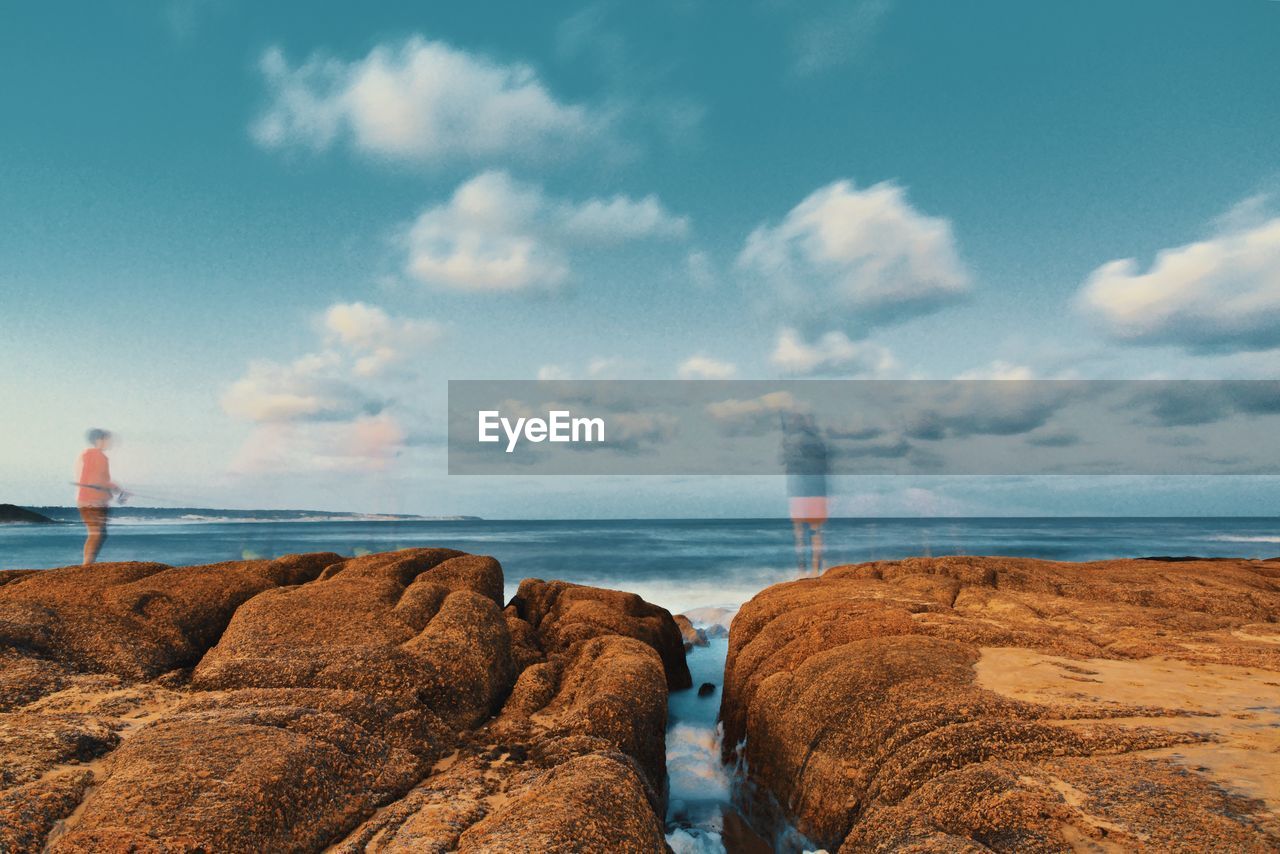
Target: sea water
{"x":677,"y":563}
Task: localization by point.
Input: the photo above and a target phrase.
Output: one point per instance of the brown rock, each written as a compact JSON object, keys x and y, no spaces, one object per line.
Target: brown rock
{"x":691,"y":635}
{"x":344,"y":703}
{"x":136,"y":619}
{"x":271,"y":778}
{"x":590,"y":803}
{"x":881,"y":712}
{"x":563,"y":614}
{"x":383,"y":624}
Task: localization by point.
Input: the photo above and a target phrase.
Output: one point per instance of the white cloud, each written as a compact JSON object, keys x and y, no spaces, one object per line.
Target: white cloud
{"x":621,"y":218}
{"x":360,"y":342}
{"x":376,"y":340}
{"x":1216,"y":295}
{"x":367,"y":443}
{"x":552,"y":372}
{"x":838,"y":35}
{"x":499,"y":234}
{"x":333,"y":409}
{"x":855,"y":258}
{"x":596,"y":368}
{"x":419,"y":100}
{"x":314,"y":387}
{"x":831,"y":353}
{"x":753,"y":416}
{"x":700,"y":367}
{"x":998,"y":370}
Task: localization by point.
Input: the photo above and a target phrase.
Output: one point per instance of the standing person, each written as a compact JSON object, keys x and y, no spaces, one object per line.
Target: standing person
{"x":96,"y":489}
{"x":804,"y":454}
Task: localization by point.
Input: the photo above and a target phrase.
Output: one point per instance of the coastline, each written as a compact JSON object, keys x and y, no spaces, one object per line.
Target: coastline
{"x":1012,"y":703}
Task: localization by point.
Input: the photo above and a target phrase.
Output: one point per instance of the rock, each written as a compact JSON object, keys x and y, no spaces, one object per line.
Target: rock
{"x":386,"y":625}
{"x":136,"y":620}
{"x":381,"y":703}
{"x":706,"y":689}
{"x":590,"y":803}
{"x":11,"y":513}
{"x":563,"y":614}
{"x":967,"y":704}
{"x":689,"y":634}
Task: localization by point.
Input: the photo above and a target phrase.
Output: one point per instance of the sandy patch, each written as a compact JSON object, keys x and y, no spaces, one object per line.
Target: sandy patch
{"x":1238,"y":708}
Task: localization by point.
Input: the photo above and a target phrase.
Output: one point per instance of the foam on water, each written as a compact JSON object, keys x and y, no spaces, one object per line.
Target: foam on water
{"x":1227,"y":538}
{"x":700,"y":784}
{"x":693,"y":764}
{"x":695,"y":841}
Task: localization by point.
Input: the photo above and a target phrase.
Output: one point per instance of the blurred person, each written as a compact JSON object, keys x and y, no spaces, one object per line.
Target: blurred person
{"x":95,"y":491}
{"x":804,"y":455}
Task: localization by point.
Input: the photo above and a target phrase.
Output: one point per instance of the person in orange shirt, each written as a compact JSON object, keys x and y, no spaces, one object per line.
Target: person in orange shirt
{"x":96,"y":489}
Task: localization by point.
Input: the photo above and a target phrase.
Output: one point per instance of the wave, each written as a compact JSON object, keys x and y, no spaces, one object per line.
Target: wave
{"x":125,"y":517}
{"x":1239,"y":538}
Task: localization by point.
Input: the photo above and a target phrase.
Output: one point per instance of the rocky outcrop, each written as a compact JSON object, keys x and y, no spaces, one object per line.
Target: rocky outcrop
{"x":21,"y":515}
{"x":975,"y":704}
{"x":381,"y":703}
{"x":689,"y":633}
{"x":563,"y":614}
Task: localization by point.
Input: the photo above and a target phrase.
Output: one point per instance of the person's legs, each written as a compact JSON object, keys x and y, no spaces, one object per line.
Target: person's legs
{"x":95,"y":521}
{"x":815,"y":543}
{"x":799,"y":529}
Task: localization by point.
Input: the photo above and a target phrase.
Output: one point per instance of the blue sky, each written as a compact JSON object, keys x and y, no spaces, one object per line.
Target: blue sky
{"x":256,"y":241}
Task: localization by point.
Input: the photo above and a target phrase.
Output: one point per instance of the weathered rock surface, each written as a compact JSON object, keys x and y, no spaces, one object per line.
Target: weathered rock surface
{"x":975,"y":704}
{"x":563,"y":614}
{"x":382,"y":703}
{"x":690,"y":634}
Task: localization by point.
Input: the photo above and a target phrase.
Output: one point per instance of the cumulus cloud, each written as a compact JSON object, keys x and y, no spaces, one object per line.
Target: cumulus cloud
{"x":1221,"y":294}
{"x":314,"y":387}
{"x":998,"y":370}
{"x":975,"y":408}
{"x":418,"y":100}
{"x":376,"y":340}
{"x":366,"y":444}
{"x":1189,"y":403}
{"x":499,"y":234}
{"x":331,"y":409}
{"x":595,"y":368}
{"x":831,"y":353}
{"x":855,"y":258}
{"x":359,"y":342}
{"x":754,"y":416}
{"x":701,"y":367}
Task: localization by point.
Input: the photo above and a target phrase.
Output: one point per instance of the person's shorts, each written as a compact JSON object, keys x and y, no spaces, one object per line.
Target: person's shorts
{"x":811,"y":510}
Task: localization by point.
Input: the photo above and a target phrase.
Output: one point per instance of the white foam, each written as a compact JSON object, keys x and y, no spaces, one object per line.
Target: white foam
{"x":1232,"y":538}
{"x":695,"y":841}
{"x":693,"y":764}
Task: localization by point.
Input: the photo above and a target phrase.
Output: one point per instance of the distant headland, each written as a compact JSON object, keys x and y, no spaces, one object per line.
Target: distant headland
{"x":14,"y":513}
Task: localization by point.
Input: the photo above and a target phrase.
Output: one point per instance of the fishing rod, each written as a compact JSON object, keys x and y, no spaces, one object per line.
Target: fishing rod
{"x":123,"y":495}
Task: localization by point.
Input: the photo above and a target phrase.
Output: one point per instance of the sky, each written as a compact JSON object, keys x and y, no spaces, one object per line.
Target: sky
{"x":257,"y":241}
